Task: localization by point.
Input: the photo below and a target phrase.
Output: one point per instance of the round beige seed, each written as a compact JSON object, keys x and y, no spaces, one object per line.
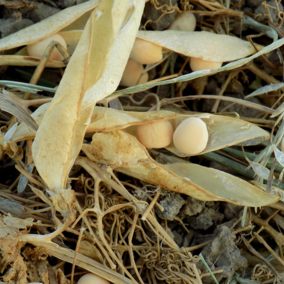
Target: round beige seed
{"x":132,"y":73}
{"x":191,"y":136}
{"x":146,"y":52}
{"x":197,"y":64}
{"x":155,"y":134}
{"x":37,"y":49}
{"x":90,"y":278}
{"x":186,"y":22}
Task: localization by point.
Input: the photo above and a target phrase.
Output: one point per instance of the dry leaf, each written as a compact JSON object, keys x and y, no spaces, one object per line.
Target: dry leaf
{"x":17,"y":222}
{"x":205,"y":45}
{"x":88,"y":249}
{"x":125,"y":154}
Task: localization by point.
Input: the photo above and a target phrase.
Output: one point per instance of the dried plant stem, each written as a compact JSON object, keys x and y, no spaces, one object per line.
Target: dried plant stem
{"x":163,"y":78}
{"x":131,"y":254}
{"x":153,"y":202}
{"x":213,"y":97}
{"x":96,"y":172}
{"x":86,"y":263}
{"x":39,"y":240}
{"x":29,"y":176}
{"x":262,"y":241}
{"x":96,"y":240}
{"x":278,"y":237}
{"x":99,"y":213}
{"x":25,"y":104}
{"x":76,"y":252}
{"x":43,"y":62}
{"x":261,"y":74}
{"x":223,"y":89}
{"x":161,"y":208}
{"x":258,"y":255}
{"x":217,"y":9}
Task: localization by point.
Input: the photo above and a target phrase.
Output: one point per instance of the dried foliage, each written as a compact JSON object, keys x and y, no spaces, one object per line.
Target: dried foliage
{"x":79,"y":192}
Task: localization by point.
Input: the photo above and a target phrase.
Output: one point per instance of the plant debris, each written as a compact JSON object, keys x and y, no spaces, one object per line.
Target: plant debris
{"x":80,"y":194}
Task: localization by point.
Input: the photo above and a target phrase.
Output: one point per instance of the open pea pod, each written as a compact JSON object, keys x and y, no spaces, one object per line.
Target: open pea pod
{"x":48,"y":26}
{"x":204,"y":45}
{"x":103,"y":119}
{"x":229,"y":187}
{"x":223,"y":131}
{"x":61,"y":132}
{"x":71,"y":38}
{"x":75,"y":16}
{"x":125,"y":154}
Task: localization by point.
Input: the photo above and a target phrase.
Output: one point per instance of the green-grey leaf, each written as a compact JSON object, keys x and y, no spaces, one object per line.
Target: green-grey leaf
{"x":278,"y":111}
{"x":265,"y":89}
{"x":278,"y":155}
{"x":26,"y":87}
{"x":259,"y":169}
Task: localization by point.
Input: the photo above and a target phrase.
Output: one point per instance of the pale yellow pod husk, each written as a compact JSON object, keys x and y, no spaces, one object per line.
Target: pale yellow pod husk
{"x":204,"y":45}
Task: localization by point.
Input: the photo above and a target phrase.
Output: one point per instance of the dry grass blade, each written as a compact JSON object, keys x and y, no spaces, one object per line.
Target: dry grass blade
{"x":266,"y":89}
{"x":9,"y":105}
{"x":213,"y":97}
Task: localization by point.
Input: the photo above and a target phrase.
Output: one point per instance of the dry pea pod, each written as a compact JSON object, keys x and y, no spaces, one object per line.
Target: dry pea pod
{"x":127,"y":155}
{"x":48,"y":26}
{"x":61,"y":132}
{"x":185,"y":22}
{"x":38,"y":49}
{"x":71,"y":39}
{"x":44,"y":29}
{"x":223,"y":131}
{"x":205,"y":46}
{"x":22,"y":58}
